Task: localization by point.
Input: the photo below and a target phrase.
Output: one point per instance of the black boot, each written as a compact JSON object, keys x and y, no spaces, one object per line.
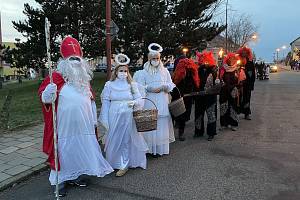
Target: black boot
{"x":78,"y":182}
{"x":61,"y":190}
{"x":180,"y":133}
{"x":210,"y":138}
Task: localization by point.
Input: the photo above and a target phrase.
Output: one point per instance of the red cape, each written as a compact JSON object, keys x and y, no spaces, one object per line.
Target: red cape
{"x":48,"y":144}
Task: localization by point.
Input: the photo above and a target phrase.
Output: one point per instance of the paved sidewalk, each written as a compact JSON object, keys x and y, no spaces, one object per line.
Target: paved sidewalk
{"x":20,"y":155}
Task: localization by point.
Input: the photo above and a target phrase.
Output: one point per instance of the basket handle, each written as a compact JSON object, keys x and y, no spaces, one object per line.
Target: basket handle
{"x":178,"y":91}
{"x":148,"y":100}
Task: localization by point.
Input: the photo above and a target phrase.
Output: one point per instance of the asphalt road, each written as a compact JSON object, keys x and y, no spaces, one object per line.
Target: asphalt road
{"x":261,"y":161}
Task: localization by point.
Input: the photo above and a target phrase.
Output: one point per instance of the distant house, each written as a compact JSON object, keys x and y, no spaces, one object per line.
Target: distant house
{"x":5,"y":69}
{"x":218,"y":43}
{"x":295,"y":49}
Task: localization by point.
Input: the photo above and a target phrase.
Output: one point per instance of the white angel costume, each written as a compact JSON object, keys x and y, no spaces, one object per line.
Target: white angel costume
{"x":124,"y":146}
{"x":149,"y":79}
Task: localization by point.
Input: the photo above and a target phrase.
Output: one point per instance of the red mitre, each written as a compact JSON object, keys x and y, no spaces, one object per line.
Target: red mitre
{"x":70,"y":47}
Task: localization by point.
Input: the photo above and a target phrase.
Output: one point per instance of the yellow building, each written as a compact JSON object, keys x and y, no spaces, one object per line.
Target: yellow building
{"x":5,"y":69}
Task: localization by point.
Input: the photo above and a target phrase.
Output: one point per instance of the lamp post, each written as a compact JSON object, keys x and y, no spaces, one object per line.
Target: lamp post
{"x":226,"y":32}
{"x":283,"y":51}
{"x":277,"y":52}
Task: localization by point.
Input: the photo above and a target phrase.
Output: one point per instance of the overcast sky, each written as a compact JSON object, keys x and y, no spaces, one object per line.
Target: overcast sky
{"x":278,"y":21}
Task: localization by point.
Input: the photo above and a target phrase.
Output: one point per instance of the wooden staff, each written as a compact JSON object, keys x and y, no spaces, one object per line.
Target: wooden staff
{"x":47,"y":34}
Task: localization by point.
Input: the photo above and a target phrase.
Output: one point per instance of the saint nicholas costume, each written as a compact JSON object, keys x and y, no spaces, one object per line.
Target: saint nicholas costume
{"x":78,"y":150}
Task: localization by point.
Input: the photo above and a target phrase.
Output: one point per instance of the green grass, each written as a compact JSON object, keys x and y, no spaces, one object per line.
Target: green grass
{"x":25,"y":108}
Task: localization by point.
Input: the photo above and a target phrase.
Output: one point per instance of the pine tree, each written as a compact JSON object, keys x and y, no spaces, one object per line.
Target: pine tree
{"x":172,"y":23}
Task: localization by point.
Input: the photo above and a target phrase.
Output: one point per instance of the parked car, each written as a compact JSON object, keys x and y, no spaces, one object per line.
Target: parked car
{"x":103,"y":68}
{"x":273,"y":68}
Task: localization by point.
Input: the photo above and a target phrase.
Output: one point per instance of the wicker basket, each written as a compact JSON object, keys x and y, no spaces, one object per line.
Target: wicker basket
{"x":146,"y":120}
{"x":177,"y":107}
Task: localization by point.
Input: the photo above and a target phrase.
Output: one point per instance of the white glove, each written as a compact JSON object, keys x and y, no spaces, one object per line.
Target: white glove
{"x":131,"y":104}
{"x":49,"y":94}
{"x":217,"y":81}
{"x":165,"y":88}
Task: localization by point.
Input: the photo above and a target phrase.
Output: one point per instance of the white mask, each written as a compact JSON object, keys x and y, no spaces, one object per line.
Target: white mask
{"x":122,"y":75}
{"x":154,"y":63}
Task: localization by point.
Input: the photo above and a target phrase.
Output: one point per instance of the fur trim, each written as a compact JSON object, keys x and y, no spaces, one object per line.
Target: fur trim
{"x":230,"y":57}
{"x":206,"y":58}
{"x":181,"y":68}
{"x":245,"y":52}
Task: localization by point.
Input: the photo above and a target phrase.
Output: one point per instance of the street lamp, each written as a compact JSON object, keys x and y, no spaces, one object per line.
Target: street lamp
{"x":185,"y":50}
{"x":254,"y":36}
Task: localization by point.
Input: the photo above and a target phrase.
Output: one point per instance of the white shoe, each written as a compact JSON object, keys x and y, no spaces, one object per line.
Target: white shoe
{"x":234,"y":128}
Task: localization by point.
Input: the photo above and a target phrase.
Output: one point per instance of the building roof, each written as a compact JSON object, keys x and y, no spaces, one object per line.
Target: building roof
{"x":9,"y":44}
{"x":294,"y":41}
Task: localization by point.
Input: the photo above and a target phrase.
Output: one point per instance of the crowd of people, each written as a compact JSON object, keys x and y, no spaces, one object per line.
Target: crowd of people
{"x":78,"y":126}
{"x":262,"y":70}
{"x":295,"y":65}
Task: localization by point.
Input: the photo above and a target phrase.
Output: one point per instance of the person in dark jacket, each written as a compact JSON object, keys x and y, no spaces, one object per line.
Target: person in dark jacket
{"x":186,"y":79}
{"x":229,"y":96}
{"x":248,"y":85}
{"x":207,"y":72}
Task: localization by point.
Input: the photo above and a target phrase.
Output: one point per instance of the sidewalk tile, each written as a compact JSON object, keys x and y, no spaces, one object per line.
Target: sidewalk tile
{"x":25,"y":144}
{"x":10,"y":156}
{"x":34,"y":162}
{"x":13,"y":143}
{"x":16,"y":170}
{"x":8,"y":150}
{"x":17,"y":136}
{"x":17,"y":161}
{"x":2,"y":147}
{"x":26,"y":139}
{"x":37,"y":154}
{"x":8,"y":139}
{"x":5,"y":167}
{"x":4,"y":176}
{"x":27,"y":150}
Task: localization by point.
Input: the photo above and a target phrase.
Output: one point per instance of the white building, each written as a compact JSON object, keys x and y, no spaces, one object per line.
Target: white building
{"x":295,"y":48}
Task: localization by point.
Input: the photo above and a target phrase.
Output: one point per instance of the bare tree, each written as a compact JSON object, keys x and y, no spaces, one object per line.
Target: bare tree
{"x":241,"y":30}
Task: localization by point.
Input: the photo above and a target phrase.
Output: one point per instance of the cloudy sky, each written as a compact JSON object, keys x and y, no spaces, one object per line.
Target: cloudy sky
{"x":278,"y":21}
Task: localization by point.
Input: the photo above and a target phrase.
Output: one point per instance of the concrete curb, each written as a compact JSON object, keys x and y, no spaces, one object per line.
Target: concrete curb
{"x":22,"y":176}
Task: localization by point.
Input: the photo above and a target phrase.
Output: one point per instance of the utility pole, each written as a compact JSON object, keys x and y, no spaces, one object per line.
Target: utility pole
{"x":108,"y":39}
{"x":226,"y":33}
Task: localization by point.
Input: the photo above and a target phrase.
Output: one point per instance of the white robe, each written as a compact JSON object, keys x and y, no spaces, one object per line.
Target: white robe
{"x":124,"y":146}
{"x":78,"y":149}
{"x":157,"y":140}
